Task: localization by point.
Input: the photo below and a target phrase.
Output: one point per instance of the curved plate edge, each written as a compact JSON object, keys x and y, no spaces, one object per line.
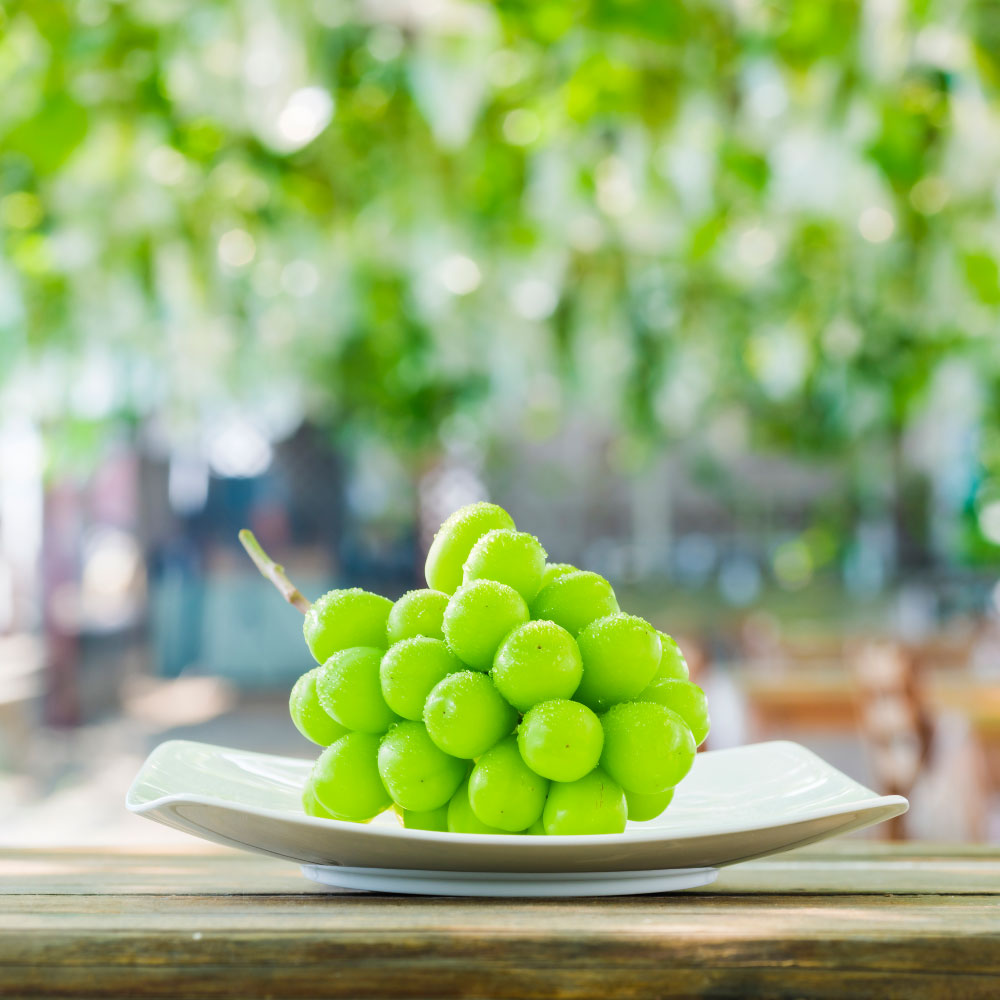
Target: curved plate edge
{"x":513,"y":885}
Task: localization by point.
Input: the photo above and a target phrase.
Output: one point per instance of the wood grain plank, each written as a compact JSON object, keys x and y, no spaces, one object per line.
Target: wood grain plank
{"x":795,"y":875}
{"x":95,"y":930}
{"x":846,"y":868}
{"x":832,"y":920}
{"x":659,"y":946}
{"x":487,"y":980}
{"x":504,"y":982}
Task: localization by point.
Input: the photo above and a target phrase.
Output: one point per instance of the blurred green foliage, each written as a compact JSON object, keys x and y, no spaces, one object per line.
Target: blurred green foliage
{"x":747,"y":223}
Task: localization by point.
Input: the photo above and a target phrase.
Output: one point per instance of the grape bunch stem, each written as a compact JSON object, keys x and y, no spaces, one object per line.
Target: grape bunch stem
{"x":273,"y":571}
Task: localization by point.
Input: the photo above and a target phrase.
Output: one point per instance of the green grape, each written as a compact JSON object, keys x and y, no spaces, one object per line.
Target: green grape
{"x":417,"y":612}
{"x":461,"y":818}
{"x":454,"y":541}
{"x":647,"y":748}
{"x":312,"y":806}
{"x":409,"y":670}
{"x":537,"y":829}
{"x":555,"y":570}
{"x":478,"y":617}
{"x":309,"y":716}
{"x":686,"y":699}
{"x":511,"y":557}
{"x":465,"y":714}
{"x":345,"y":779}
{"x":560,"y":739}
{"x":427,"y":819}
{"x":350,"y":691}
{"x":415,"y":772}
{"x":673,"y":666}
{"x":504,"y":791}
{"x":644,"y":807}
{"x":594,"y":803}
{"x":574,"y":600}
{"x":536,"y":662}
{"x":341,"y":619}
{"x":621,"y":653}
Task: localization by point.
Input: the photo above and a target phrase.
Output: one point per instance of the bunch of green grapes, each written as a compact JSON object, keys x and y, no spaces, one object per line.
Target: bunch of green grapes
{"x":510,"y":696}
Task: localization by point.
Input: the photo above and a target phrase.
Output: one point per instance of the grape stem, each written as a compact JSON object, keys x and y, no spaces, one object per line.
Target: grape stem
{"x":273,"y":571}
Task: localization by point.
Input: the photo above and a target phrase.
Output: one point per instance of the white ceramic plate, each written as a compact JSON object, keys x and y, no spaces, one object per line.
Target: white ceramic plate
{"x":735,"y":805}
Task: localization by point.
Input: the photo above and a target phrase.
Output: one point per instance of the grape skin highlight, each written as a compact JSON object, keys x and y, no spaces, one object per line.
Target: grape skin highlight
{"x":312,"y":806}
{"x":410,"y":669}
{"x":454,"y":541}
{"x":504,"y":791}
{"x":673,"y":666}
{"x":593,"y":804}
{"x":478,"y":618}
{"x":621,"y":653}
{"x":686,"y":699}
{"x":461,"y":818}
{"x":514,"y":558}
{"x":536,"y":662}
{"x":561,"y":740}
{"x":465,"y":714}
{"x":345,"y":779}
{"x":574,"y":600}
{"x":417,"y":612}
{"x":414,"y":771}
{"x":646,"y":807}
{"x":341,"y":619}
{"x":308,"y":715}
{"x":647,"y":748}
{"x":350,"y":690}
{"x":553,"y":571}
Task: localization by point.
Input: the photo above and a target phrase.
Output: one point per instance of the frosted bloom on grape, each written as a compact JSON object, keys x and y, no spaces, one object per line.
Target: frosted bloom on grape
{"x":410,"y":669}
{"x":672,"y":662}
{"x":536,"y":662}
{"x":345,"y":779}
{"x":350,"y":690}
{"x":504,"y":791}
{"x":461,"y":818}
{"x":574,"y":600}
{"x":417,"y":612}
{"x":341,"y":619}
{"x":561,"y":740}
{"x":621,"y":654}
{"x":511,"y":557}
{"x":647,"y":748}
{"x":686,"y":699}
{"x":465,"y":714}
{"x":593,"y":804}
{"x":416,"y":773}
{"x":308,"y":715}
{"x":454,"y":541}
{"x":478,"y":618}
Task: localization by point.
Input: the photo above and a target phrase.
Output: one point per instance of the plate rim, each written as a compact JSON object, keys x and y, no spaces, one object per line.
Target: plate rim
{"x":889,"y":805}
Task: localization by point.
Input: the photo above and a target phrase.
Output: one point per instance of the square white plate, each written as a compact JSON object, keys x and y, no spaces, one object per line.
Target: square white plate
{"x":735,"y":805}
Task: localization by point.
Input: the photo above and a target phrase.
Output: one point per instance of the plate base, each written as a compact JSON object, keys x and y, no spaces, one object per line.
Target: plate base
{"x":437,"y":883}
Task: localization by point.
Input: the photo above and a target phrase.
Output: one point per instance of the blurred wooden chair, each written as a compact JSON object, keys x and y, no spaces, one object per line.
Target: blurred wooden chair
{"x":893,"y":719}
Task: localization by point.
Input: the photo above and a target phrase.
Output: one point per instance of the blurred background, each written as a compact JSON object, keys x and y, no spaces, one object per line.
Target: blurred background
{"x":706,"y":293}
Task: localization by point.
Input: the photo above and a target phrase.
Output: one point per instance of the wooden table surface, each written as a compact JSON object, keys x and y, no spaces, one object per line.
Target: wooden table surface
{"x":851,"y":918}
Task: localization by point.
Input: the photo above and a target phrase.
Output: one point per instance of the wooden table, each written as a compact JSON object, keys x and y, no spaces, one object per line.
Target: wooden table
{"x":849,"y":919}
